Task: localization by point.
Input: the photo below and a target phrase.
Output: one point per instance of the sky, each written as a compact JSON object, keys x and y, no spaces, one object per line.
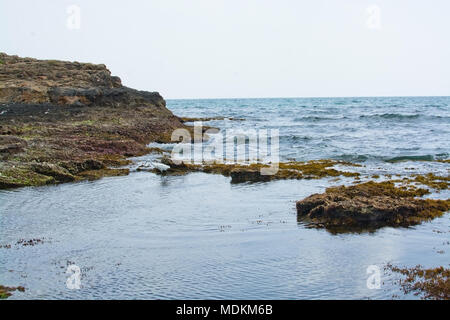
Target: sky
{"x":242,"y":48}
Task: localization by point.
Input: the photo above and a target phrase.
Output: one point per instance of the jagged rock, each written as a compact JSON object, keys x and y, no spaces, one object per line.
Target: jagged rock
{"x":368,"y":206}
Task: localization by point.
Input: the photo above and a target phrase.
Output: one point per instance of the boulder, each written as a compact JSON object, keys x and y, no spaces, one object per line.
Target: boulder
{"x":368,"y":205}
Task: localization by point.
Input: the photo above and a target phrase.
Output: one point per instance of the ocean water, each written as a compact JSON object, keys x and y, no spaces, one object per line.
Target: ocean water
{"x":198,"y":236}
{"x":354,"y":129}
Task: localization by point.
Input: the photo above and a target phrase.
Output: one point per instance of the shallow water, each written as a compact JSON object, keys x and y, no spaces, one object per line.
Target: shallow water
{"x":198,"y":236}
{"x":147,"y":236}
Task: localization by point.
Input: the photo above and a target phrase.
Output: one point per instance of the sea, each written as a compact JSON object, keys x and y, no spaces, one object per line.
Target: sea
{"x":198,"y":236}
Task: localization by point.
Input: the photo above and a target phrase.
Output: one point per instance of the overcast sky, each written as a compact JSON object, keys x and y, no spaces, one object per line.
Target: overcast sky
{"x":239,"y":48}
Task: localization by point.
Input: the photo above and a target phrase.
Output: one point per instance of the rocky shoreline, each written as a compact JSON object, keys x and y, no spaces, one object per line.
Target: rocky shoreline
{"x":69,"y":121}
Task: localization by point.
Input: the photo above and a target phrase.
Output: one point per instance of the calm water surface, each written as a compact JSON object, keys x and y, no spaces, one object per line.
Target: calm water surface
{"x":198,"y":236}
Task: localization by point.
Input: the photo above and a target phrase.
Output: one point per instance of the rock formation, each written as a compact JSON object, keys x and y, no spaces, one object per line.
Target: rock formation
{"x":64,"y":121}
{"x":368,"y":205}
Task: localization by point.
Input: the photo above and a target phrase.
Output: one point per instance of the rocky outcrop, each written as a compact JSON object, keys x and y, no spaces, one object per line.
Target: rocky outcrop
{"x":59,"y":118}
{"x":27,"y":80}
{"x":370,"y":206}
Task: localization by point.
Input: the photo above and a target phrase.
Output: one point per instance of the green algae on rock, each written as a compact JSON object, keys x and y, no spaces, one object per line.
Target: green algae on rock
{"x":59,"y":120}
{"x":368,"y":206}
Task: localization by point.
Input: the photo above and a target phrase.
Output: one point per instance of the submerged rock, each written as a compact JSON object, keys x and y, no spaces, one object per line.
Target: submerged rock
{"x":239,"y":175}
{"x":368,"y":205}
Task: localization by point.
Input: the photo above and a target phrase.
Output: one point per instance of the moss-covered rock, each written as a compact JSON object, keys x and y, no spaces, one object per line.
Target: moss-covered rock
{"x":369,"y":205}
{"x":14,"y":177}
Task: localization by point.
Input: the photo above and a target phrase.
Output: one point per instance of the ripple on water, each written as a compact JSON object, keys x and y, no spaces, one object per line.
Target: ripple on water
{"x":166,"y":242}
{"x":198,"y":236}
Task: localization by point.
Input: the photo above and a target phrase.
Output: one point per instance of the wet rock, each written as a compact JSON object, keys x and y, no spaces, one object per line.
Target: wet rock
{"x":240,"y":175}
{"x":368,"y":205}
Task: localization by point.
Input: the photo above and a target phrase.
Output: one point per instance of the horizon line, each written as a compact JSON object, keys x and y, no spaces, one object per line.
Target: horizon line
{"x":313,"y":97}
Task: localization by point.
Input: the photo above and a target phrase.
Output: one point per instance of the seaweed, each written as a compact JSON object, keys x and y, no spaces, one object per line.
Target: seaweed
{"x":433,"y":283}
